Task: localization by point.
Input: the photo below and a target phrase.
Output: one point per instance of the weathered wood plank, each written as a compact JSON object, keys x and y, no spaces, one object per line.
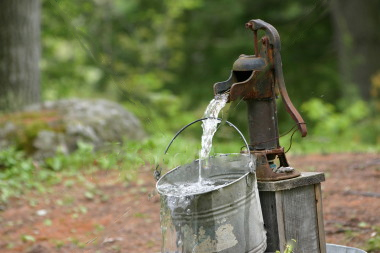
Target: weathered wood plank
{"x":300,"y":218}
{"x":321,"y":227}
{"x":268,"y":206}
{"x":280,"y":220}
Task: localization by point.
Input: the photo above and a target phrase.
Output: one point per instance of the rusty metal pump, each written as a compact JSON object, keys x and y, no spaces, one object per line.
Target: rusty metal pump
{"x":258,"y":79}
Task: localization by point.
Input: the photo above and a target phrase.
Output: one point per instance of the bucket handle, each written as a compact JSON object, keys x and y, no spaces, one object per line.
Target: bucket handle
{"x":157,"y":172}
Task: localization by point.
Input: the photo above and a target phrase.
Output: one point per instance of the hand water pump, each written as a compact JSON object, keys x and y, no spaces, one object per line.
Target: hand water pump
{"x":258,"y":79}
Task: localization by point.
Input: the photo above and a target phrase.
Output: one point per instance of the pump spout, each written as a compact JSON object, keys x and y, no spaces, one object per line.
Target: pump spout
{"x":258,"y":80}
{"x":241,"y":83}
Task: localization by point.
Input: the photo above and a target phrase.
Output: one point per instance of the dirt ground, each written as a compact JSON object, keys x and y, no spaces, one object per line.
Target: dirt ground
{"x":107,"y":215}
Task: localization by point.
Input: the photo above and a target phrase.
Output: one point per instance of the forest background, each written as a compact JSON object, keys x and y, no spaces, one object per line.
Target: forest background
{"x":160,"y":60}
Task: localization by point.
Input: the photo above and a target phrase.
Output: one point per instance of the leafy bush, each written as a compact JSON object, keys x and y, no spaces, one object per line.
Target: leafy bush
{"x":353,"y":129}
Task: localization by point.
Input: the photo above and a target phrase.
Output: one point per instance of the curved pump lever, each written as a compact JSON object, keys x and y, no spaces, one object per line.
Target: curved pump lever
{"x":275,"y":43}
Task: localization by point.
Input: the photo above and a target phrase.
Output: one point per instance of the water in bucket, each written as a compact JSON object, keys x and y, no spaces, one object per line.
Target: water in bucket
{"x":212,"y":204}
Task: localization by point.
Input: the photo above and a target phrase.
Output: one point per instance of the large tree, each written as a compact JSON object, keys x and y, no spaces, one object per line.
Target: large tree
{"x":19,"y":53}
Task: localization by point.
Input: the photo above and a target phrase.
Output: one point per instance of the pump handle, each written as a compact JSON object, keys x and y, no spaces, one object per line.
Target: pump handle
{"x":275,"y":43}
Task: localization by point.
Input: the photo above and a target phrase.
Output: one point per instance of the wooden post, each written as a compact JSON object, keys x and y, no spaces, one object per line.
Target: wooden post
{"x":292,"y":209}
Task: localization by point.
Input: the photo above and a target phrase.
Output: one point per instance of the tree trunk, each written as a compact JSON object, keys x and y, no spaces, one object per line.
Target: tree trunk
{"x":356,"y":24}
{"x":19,"y":53}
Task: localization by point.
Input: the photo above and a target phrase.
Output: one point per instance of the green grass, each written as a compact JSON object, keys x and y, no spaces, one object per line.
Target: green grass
{"x":20,"y":173}
{"x":373,"y":244}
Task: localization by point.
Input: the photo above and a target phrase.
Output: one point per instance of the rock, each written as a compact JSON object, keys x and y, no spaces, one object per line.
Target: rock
{"x":62,"y":124}
{"x":47,"y":143}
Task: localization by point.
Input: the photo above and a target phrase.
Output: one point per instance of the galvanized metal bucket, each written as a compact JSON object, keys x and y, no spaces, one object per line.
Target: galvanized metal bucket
{"x":227,"y":219}
{"x":333,"y":248}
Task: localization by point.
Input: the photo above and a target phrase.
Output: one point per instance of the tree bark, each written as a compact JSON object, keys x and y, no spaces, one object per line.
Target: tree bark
{"x":19,"y":53}
{"x":357,"y":37}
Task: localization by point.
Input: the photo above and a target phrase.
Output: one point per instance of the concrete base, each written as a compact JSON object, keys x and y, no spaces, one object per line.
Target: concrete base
{"x":292,"y":210}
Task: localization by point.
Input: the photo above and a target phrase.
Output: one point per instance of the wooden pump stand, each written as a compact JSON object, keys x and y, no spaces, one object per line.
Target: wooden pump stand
{"x":292,"y":210}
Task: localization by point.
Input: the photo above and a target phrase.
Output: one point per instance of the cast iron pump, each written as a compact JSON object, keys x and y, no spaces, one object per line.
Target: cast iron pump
{"x":258,"y":79}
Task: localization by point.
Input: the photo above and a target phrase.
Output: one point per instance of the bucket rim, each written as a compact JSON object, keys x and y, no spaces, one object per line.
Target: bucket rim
{"x":333,"y":246}
{"x":209,"y":191}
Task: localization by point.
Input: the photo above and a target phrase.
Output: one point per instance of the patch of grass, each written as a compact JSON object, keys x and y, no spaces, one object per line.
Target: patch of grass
{"x":89,"y":195}
{"x":78,"y":243}
{"x":19,"y":173}
{"x":48,"y":222}
{"x":33,"y":202}
{"x":350,"y":234}
{"x":27,"y":238}
{"x":116,"y":248}
{"x":150,"y":244}
{"x":141,"y":215}
{"x":58,"y":243}
{"x":10,"y":245}
{"x":67,"y":201}
{"x":373,"y":244}
{"x":99,"y":227}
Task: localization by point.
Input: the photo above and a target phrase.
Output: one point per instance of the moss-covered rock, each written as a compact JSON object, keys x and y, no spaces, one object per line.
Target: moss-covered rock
{"x":42,"y":129}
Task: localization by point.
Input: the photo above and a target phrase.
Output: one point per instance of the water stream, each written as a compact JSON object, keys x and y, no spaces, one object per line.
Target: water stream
{"x":209,"y":127}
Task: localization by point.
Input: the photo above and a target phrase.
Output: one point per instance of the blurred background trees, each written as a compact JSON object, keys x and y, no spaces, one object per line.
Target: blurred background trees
{"x":161,"y":59}
{"x":19,"y":53}
{"x":357,"y":42}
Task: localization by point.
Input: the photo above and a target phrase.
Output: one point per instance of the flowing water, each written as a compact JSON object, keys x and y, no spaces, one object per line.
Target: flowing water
{"x":209,"y":127}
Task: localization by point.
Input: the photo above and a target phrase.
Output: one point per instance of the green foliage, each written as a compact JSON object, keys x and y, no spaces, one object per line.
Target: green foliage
{"x":161,"y":61}
{"x":82,"y":158}
{"x":28,"y":238}
{"x":354,"y":128}
{"x":19,"y":173}
{"x":118,"y":46}
{"x":288,"y":247}
{"x":373,"y":244}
